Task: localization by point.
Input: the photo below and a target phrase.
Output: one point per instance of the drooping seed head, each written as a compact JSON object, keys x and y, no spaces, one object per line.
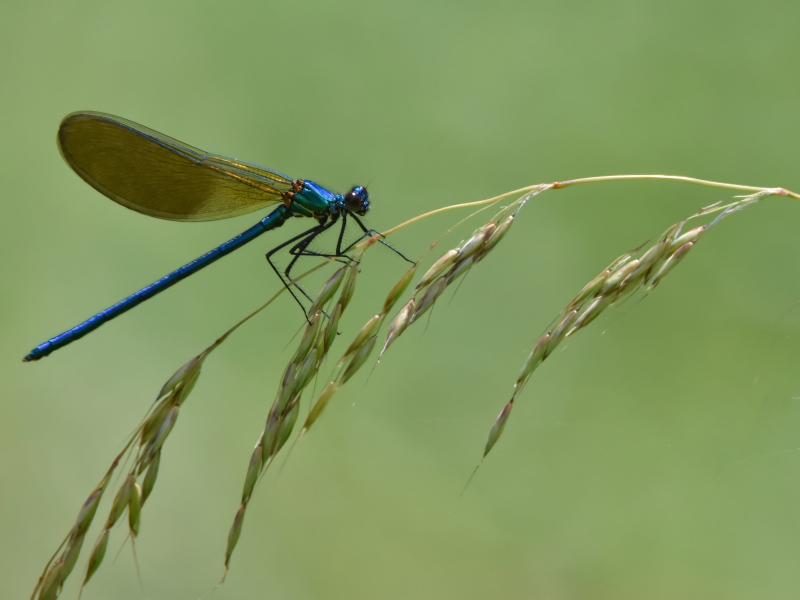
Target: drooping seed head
{"x":429,"y":296}
{"x":327,"y":291}
{"x":669,"y":264}
{"x":497,"y":427}
{"x":359,"y":358}
{"x":399,"y":324}
{"x":398,"y":289}
{"x":437,"y":269}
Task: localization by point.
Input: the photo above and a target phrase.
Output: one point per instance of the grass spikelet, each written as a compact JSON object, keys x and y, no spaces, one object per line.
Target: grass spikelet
{"x":461,"y":267}
{"x":690,"y":236}
{"x":560,"y":331}
{"x":96,"y":557}
{"x":320,"y":405}
{"x":328,"y":290}
{"x":367,"y":331}
{"x":535,"y":358}
{"x":439,"y":267}
{"x":397,"y":291}
{"x":497,"y":427}
{"x":670,"y":264}
{"x":429,"y":296}
{"x":333,"y":325}
{"x":134,"y":509}
{"x":71,"y":553}
{"x":598,"y":305}
{"x":253,"y":470}
{"x":52,"y":582}
{"x":399,"y":324}
{"x":150,"y":476}
{"x":358,"y":359}
{"x":476,"y":242}
{"x":308,"y":340}
{"x":233,"y":535}
{"x":121,"y":501}
{"x":497,"y":234}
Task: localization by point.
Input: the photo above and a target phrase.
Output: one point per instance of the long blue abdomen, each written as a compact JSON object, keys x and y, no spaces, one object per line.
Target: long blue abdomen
{"x":273,"y":220}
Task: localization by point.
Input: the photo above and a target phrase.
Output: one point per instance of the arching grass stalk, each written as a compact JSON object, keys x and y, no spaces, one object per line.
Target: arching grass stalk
{"x":628,"y":273}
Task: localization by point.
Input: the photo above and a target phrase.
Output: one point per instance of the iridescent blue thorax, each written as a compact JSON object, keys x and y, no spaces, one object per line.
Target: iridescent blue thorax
{"x":308,"y":199}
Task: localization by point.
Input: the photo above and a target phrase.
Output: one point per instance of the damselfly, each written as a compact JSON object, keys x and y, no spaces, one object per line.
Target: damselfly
{"x":159,"y":176}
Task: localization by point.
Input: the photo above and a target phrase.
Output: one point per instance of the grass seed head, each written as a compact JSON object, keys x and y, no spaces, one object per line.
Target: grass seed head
{"x":233,"y":535}
{"x":97,"y":555}
{"x":437,"y":269}
{"x":399,"y":324}
{"x":429,"y":296}
{"x":320,"y":405}
{"x":359,"y":358}
{"x":497,"y":427}
{"x":669,"y":264}
{"x":135,"y":510}
{"x":398,"y":289}
{"x":327,"y":291}
{"x":287,"y":387}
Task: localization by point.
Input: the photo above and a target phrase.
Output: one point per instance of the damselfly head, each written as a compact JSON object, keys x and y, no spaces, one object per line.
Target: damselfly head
{"x":357,"y":200}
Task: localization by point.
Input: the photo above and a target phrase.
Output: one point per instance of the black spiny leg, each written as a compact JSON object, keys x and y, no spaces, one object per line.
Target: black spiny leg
{"x":368,"y":232}
{"x":309,"y":234}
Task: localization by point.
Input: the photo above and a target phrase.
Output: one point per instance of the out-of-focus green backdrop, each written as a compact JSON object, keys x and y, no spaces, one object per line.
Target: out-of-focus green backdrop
{"x":657,"y":456}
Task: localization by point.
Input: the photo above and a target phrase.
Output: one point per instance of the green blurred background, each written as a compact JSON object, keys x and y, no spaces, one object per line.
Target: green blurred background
{"x":657,"y":456}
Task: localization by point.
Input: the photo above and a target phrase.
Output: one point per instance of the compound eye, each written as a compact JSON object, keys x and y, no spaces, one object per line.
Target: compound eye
{"x":352,"y":201}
